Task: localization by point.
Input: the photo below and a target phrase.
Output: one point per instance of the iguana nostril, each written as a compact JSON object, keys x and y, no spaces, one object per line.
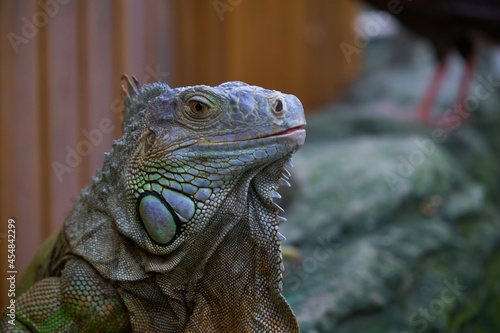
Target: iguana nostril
{"x":277,"y":103}
{"x":278,"y":107}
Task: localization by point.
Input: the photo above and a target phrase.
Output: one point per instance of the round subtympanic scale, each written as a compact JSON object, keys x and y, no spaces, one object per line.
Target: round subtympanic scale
{"x":157,"y":219}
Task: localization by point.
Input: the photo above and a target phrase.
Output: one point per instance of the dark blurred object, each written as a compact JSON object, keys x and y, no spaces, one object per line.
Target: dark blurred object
{"x":449,"y":25}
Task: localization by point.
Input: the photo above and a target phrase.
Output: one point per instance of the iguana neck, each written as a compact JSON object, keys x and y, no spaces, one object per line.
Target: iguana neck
{"x":235,"y":266}
{"x":245,"y":206}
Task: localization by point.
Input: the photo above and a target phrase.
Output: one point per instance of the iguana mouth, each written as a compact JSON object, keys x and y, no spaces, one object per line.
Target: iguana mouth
{"x":288,"y":131}
{"x":273,"y":133}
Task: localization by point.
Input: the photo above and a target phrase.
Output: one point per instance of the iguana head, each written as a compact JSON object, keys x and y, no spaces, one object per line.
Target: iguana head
{"x":195,"y":145}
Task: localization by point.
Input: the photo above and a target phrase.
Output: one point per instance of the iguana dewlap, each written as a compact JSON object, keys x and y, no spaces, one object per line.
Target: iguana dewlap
{"x":178,"y":231}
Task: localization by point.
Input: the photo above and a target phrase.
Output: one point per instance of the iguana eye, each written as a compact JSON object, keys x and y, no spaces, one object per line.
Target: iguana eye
{"x":198,"y":107}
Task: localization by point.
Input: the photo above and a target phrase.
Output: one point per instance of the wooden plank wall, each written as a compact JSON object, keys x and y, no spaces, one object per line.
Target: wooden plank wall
{"x":61,"y":62}
{"x":287,"y":45}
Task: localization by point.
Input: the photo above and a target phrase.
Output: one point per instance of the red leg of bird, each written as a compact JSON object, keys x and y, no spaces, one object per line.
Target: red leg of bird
{"x":424,"y":108}
{"x":467,"y":78}
{"x":460,"y":113}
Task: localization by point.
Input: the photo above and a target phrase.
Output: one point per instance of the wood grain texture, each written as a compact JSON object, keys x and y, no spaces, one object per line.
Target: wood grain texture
{"x":290,"y":45}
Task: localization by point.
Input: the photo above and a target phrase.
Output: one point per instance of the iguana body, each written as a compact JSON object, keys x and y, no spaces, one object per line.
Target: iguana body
{"x":178,"y":231}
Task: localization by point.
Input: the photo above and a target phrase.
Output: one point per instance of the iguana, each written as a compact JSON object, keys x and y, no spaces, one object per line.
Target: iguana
{"x":178,"y":231}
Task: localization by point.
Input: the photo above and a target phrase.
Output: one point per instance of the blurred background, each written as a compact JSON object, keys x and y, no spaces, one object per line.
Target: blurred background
{"x":393,"y":222}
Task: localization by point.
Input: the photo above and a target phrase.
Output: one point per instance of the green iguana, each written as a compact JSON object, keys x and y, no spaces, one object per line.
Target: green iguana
{"x":178,"y":231}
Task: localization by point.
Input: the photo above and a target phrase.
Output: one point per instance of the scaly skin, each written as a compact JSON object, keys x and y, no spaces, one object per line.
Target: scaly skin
{"x":178,"y":231}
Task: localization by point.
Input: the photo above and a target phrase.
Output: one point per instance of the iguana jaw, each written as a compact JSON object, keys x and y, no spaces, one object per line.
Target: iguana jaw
{"x":288,"y":140}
